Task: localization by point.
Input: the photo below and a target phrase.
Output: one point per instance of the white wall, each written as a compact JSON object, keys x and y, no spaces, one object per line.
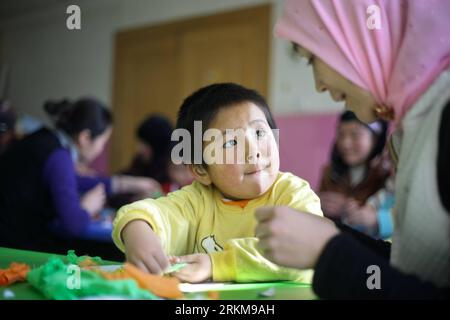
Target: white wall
{"x":49,"y":61}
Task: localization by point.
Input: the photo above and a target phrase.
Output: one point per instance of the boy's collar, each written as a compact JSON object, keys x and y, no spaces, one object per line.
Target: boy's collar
{"x":239,"y":203}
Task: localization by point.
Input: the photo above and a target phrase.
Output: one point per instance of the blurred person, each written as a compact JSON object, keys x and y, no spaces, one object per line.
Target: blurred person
{"x":357,"y":171}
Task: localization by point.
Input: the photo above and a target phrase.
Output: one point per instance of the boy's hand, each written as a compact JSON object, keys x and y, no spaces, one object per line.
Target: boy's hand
{"x":143,"y":248}
{"x":198,"y":268}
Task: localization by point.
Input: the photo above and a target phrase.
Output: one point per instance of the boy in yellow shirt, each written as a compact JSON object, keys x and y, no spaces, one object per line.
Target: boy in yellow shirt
{"x":210,"y":224}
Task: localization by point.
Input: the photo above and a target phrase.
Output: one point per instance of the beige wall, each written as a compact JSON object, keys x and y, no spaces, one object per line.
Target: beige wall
{"x":49,"y":61}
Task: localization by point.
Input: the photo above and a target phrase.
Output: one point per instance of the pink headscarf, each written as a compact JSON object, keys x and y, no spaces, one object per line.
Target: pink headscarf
{"x":396,"y":63}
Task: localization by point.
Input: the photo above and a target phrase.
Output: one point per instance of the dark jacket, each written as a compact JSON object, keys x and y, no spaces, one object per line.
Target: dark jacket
{"x":26,"y":208}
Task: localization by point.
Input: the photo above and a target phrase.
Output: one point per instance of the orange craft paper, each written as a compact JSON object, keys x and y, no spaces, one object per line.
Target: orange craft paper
{"x":16,"y":272}
{"x":162,"y":286}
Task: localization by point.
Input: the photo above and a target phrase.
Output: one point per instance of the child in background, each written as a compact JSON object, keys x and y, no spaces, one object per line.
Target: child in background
{"x":152,"y":160}
{"x":359,"y":169}
{"x":375,"y":217}
{"x":179,"y":175}
{"x":153,"y":149}
{"x":210,"y":224}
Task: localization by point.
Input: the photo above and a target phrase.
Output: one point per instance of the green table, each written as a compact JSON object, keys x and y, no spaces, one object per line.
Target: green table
{"x":250,"y":291}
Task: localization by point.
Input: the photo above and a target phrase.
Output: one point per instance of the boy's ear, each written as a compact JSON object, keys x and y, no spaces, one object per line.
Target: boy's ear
{"x":200,"y":174}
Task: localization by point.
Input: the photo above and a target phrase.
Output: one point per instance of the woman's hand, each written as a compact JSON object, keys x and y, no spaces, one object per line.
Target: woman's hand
{"x":333,"y":204}
{"x":198,"y":268}
{"x":291,"y":238}
{"x":94,"y":200}
{"x":143,"y":247}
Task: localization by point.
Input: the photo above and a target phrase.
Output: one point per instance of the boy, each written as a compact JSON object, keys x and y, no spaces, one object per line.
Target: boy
{"x":212,"y":219}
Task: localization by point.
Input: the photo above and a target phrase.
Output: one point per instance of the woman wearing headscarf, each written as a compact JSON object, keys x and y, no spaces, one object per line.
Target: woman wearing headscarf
{"x":386,"y":60}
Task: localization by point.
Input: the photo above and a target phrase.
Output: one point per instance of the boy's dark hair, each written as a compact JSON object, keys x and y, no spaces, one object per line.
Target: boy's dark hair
{"x":204,"y":104}
{"x":74,"y":117}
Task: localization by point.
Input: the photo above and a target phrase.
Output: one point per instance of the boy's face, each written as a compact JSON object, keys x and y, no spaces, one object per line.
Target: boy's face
{"x":254,"y":152}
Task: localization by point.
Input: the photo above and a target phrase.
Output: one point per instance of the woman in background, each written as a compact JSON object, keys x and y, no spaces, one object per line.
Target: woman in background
{"x":39,"y":191}
{"x":357,"y":171}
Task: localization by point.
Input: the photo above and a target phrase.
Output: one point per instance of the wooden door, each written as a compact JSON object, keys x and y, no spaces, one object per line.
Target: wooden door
{"x":157,"y":67}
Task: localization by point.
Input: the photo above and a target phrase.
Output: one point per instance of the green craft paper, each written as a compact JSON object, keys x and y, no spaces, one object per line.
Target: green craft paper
{"x":175,"y":267}
{"x":53,"y":279}
{"x":72,"y":258}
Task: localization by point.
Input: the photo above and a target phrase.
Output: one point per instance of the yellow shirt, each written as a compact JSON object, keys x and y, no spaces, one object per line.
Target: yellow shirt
{"x":196,"y":220}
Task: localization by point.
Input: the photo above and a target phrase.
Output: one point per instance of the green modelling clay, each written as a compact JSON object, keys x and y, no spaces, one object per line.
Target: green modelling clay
{"x":60,"y":281}
{"x":72,"y":258}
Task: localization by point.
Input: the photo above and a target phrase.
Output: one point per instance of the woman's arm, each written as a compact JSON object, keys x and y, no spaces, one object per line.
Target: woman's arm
{"x":86,"y":183}
{"x":59,"y":176}
{"x":342,"y":259}
{"x":380,"y":247}
{"x":343,"y":271}
{"x":137,"y":185}
{"x":119,"y":184}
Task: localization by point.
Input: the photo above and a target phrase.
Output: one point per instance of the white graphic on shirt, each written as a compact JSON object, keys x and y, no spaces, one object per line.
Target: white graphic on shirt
{"x":210,"y":245}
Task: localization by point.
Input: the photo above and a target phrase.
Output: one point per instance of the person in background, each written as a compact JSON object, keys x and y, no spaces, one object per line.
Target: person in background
{"x":375,"y":217}
{"x":153,"y":160}
{"x":153,"y":151}
{"x":179,"y":176}
{"x":7,"y":125}
{"x":357,"y":171}
{"x":40,"y":205}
